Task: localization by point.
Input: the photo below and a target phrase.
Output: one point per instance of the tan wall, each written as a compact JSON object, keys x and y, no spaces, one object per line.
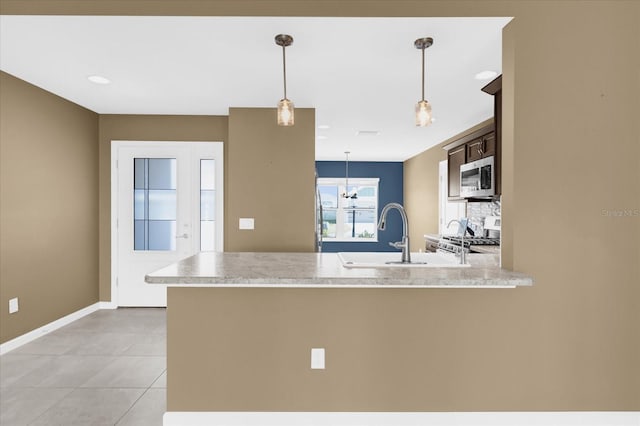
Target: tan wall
{"x":385,"y":350}
{"x":48,"y":207}
{"x":271,"y":179}
{"x":421,"y":192}
{"x":569,"y":342}
{"x":144,"y":128}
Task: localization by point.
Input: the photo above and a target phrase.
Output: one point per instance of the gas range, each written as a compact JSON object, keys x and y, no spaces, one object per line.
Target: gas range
{"x":453,"y":244}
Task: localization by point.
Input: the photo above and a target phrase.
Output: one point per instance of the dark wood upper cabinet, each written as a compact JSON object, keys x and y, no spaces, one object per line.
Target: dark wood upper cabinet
{"x":456,"y":157}
{"x":474,"y":150}
{"x":482,"y":143}
{"x":495,"y":88}
{"x":484,"y":146}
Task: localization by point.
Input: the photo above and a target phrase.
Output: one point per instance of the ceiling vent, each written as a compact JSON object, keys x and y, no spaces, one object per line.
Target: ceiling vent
{"x":367,"y":133}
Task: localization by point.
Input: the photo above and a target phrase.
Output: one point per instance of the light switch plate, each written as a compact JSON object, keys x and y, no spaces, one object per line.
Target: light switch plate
{"x":13,"y":305}
{"x":246,"y":223}
{"x":317,"y":358}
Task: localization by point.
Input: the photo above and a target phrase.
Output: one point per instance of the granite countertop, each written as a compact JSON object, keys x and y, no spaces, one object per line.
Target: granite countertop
{"x":325,"y":270}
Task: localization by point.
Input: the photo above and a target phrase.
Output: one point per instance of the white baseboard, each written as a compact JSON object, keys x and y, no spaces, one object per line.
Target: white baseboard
{"x":577,"y":418}
{"x":48,"y":328}
{"x":108,"y":305}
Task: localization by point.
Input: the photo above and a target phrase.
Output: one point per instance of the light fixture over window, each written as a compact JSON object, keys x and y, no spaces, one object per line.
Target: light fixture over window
{"x":346,"y":193}
{"x":285,"y":106}
{"x":423,"y":108}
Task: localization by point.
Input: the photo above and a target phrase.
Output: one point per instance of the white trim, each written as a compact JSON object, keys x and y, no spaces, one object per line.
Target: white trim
{"x":48,"y":328}
{"x":114,"y":223}
{"x":108,"y":305}
{"x":575,"y":418}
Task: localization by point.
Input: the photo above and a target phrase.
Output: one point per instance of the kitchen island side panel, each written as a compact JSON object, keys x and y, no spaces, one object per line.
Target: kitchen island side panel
{"x":249,"y":349}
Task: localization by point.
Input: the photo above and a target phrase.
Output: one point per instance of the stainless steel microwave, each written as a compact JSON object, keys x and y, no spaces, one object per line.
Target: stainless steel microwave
{"x":477,"y":179}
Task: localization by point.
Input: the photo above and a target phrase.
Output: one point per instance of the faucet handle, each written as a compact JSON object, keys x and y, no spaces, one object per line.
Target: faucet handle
{"x":397,"y":244}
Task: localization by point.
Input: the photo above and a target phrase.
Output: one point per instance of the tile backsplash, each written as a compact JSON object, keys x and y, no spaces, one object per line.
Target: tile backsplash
{"x":476,"y":212}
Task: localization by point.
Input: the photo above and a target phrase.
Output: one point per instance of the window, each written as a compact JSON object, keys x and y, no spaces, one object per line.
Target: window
{"x":207,"y":205}
{"x":154,"y":204}
{"x":349,"y":219}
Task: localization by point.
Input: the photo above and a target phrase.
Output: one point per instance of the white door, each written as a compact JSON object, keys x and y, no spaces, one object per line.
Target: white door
{"x":448,"y":210}
{"x":167,"y":201}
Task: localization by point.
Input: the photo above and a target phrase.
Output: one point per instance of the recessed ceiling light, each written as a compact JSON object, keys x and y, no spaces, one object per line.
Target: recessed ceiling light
{"x":486,"y":75}
{"x":98,"y":79}
{"x":323,"y":126}
{"x":367,"y":133}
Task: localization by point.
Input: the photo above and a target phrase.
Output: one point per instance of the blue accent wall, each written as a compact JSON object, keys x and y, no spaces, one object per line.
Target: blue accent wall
{"x":390,"y":190}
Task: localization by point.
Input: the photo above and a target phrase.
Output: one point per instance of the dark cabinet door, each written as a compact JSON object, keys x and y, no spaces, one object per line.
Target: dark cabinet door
{"x":489,"y":145}
{"x":481,"y":147}
{"x":474,"y":150}
{"x":457,"y":157}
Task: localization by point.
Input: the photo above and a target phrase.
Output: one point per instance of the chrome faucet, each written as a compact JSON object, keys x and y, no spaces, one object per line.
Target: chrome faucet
{"x":404,"y":244}
{"x":463,"y":225}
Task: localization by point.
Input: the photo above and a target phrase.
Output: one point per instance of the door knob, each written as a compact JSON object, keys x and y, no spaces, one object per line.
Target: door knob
{"x":182,"y":236}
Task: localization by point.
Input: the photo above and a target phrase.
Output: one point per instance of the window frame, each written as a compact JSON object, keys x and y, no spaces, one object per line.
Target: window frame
{"x":342,"y":209}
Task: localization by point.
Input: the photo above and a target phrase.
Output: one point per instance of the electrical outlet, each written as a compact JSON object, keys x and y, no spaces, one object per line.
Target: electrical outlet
{"x":13,"y":305}
{"x":246,"y":223}
{"x":317,"y":358}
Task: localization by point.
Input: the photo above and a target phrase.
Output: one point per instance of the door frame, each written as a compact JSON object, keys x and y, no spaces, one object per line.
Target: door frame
{"x":444,"y":205}
{"x":115,"y":146}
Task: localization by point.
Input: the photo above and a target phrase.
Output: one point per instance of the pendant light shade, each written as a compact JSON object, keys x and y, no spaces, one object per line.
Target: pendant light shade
{"x":285,"y":106}
{"x":423,"y":113}
{"x":423,"y":108}
{"x":285,"y":112}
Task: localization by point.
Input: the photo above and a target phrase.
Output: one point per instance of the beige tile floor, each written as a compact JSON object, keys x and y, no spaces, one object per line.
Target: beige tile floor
{"x":108,"y":368}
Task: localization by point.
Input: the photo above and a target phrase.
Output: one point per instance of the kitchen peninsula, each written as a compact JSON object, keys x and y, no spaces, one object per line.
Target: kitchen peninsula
{"x":241,"y":326}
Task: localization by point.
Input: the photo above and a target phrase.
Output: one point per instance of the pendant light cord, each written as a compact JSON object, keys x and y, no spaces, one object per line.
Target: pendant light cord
{"x":347,"y":176}
{"x":423,"y":73}
{"x":284,"y":72}
{"x":346,"y":189}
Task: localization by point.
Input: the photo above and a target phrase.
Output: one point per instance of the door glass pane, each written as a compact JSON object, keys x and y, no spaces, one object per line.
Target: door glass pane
{"x":207,"y":205}
{"x":162,"y":235}
{"x":139,"y":229}
{"x":162,"y":173}
{"x":207,"y":174}
{"x":139,"y":173}
{"x":139,"y":205}
{"x":162,"y":205}
{"x":154,"y":203}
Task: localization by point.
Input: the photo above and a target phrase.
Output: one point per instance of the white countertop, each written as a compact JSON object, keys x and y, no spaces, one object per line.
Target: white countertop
{"x":314,"y":270}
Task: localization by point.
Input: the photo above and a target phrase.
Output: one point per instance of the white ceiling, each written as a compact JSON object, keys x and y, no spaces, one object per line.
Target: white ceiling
{"x":358,"y":73}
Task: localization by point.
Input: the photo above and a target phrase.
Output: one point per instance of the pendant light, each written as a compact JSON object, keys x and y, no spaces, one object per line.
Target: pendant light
{"x":423,"y":108}
{"x":346,"y":194}
{"x":285,"y":106}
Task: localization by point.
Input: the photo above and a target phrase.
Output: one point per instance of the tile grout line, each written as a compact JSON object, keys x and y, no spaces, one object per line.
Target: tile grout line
{"x":137,"y":400}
